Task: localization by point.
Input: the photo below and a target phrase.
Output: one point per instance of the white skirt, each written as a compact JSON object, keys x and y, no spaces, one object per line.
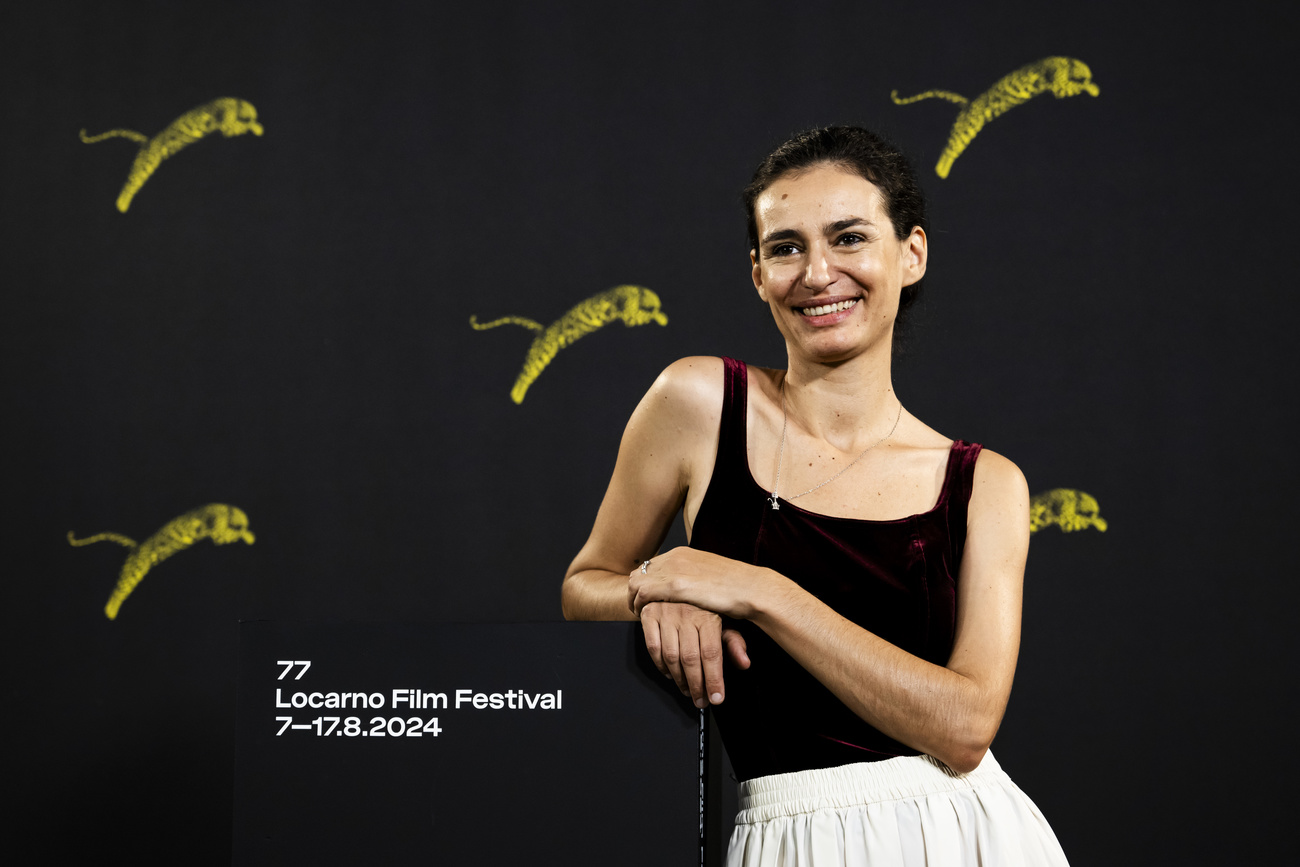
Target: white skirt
{"x":910,"y":811}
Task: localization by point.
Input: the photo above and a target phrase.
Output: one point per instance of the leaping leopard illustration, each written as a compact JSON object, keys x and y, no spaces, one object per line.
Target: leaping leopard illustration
{"x":632,"y":305}
{"x":1062,"y":76}
{"x":219,"y":522}
{"x":230,"y":117}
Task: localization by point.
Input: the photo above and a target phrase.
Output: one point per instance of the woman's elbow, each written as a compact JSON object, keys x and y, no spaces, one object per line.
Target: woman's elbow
{"x":964,"y":751}
{"x":567,"y":599}
{"x":594,"y":594}
{"x":577,"y":601}
{"x":963,"y":759}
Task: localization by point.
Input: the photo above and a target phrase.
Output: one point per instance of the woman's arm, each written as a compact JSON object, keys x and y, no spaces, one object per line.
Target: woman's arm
{"x":665,"y":457}
{"x":952,"y":712}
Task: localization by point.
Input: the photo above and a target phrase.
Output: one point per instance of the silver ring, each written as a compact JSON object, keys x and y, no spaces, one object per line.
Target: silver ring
{"x":645,"y":568}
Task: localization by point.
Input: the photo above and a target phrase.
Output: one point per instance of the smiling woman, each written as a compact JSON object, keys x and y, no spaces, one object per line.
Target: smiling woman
{"x":859,"y":647}
{"x":830,"y":266}
{"x":867,"y":156}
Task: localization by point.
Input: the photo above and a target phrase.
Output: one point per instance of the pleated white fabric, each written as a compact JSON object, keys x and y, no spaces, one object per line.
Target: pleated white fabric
{"x":910,"y":811}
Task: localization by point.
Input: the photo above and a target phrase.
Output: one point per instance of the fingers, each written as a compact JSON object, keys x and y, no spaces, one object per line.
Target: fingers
{"x":635,"y":581}
{"x":662,"y":644}
{"x":711,"y":663}
{"x":654,"y":643}
{"x":671,"y":658}
{"x":686,"y":645}
{"x":689,"y":664}
{"x":736,"y":647}
{"x":632,"y":584}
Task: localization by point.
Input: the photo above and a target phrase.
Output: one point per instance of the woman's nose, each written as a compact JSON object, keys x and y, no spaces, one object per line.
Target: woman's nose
{"x":817,"y":273}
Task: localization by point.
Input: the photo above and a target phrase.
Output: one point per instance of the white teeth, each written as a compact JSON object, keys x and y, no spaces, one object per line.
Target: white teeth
{"x":827,"y":308}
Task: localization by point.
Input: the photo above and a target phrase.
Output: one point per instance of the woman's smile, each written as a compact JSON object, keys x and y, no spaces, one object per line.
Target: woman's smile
{"x":825,"y":308}
{"x":828,"y":312}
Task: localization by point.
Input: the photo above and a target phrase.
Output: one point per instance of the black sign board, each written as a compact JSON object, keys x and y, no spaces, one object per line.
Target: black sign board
{"x":461,"y":743}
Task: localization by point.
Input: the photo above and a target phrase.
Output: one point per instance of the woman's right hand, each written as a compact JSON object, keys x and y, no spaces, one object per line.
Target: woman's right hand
{"x":688,"y":644}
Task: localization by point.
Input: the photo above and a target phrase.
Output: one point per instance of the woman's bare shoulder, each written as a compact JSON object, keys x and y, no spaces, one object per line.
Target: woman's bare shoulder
{"x":674,"y":429}
{"x":689,"y":389}
{"x":998,"y":472}
{"x":1000,"y":492}
{"x":694,"y":371}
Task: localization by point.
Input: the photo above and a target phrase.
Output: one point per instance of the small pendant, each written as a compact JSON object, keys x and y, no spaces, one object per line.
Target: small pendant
{"x":775,"y":505}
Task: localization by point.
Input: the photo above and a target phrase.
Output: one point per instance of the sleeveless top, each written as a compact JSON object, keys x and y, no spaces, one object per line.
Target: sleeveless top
{"x":897,"y":579}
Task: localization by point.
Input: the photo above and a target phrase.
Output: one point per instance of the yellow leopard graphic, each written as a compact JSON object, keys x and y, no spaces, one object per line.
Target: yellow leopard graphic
{"x":219,"y":522}
{"x":228,"y":116}
{"x":633,"y":305}
{"x":1065,"y":508}
{"x":1062,"y":76}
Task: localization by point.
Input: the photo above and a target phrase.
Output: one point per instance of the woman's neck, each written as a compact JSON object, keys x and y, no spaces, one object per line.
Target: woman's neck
{"x":843,"y":403}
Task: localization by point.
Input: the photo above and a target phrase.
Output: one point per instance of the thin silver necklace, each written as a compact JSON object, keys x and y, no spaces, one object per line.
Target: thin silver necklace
{"x":781,"y":453}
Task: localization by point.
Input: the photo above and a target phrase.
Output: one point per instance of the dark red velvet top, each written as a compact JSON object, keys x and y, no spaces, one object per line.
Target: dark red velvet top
{"x":897,"y":579}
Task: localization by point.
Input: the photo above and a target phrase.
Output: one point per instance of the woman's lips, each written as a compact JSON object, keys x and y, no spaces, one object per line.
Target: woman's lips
{"x":827,"y":309}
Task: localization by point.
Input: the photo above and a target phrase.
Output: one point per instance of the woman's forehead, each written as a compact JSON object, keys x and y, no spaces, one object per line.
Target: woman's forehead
{"x":820,"y":194}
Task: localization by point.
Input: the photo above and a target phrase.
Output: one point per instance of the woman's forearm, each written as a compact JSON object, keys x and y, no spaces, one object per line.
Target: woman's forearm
{"x":595,"y":594}
{"x":937,"y":710}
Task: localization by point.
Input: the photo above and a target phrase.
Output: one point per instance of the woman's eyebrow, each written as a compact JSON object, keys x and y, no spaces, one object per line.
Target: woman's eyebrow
{"x":780,"y":235}
{"x":841,"y":225}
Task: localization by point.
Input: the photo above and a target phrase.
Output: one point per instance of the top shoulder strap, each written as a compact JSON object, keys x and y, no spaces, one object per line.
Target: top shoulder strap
{"x":958,"y":485}
{"x":731,"y":434}
{"x":960,"y":480}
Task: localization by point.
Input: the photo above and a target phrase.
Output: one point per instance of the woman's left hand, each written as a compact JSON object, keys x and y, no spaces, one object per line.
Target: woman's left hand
{"x":705,"y":580}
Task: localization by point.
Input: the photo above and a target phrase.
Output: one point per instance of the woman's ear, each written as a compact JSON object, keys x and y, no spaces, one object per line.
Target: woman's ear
{"x":757,"y":274}
{"x":915,"y":254}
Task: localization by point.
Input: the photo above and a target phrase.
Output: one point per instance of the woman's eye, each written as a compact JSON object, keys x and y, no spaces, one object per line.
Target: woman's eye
{"x":850,"y":238}
{"x":782,"y":250}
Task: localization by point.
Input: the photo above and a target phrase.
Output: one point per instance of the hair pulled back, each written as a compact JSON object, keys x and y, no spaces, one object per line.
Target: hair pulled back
{"x":863,"y":153}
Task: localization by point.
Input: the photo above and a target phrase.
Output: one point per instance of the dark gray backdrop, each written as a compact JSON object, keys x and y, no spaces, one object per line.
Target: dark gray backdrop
{"x":281,"y":323}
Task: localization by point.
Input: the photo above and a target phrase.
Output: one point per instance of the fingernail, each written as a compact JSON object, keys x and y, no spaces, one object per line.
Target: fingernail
{"x":716,"y":698}
{"x":701,"y":703}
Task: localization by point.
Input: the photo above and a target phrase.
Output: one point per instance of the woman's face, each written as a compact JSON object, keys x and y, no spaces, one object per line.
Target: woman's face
{"x":829,"y":265}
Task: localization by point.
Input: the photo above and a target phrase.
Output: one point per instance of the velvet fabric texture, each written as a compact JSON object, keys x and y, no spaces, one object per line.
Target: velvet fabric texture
{"x":896,"y":578}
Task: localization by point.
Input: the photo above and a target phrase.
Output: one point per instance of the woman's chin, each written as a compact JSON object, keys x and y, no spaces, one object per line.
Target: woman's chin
{"x":832,"y":347}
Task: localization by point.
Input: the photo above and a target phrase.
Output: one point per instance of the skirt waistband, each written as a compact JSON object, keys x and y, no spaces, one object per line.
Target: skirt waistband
{"x":763,"y":799}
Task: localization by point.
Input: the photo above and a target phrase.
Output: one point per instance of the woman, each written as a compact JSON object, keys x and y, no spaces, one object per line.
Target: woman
{"x":858,"y":646}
